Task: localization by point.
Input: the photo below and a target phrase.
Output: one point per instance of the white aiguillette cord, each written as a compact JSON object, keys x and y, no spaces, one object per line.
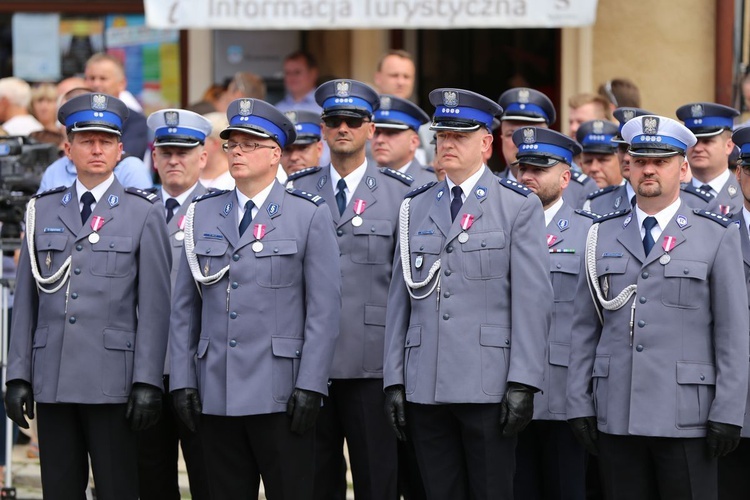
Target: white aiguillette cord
{"x":403,"y":225}
{"x":61,"y":275}
{"x":192,"y":258}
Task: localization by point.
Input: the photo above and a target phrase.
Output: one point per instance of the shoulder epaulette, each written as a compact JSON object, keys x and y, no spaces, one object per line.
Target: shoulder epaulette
{"x":602,"y":217}
{"x":314,"y":198}
{"x":151,"y":197}
{"x":518,"y":188}
{"x":303,"y":172}
{"x":210,"y":194}
{"x":430,"y":169}
{"x":703,"y":195}
{"x":579,"y":177}
{"x":58,"y":189}
{"x":405,"y":178}
{"x":724,"y":221}
{"x":420,"y":189}
{"x":600,"y":192}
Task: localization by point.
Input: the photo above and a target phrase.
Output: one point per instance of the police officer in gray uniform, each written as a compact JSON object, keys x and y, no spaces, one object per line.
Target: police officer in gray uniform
{"x":396,"y":138}
{"x":255,"y":317}
{"x":661,"y":352}
{"x":712,"y":126}
{"x":179,"y":158}
{"x":466,"y":325}
{"x":307,"y":149}
{"x":90,"y":322}
{"x":363,"y":200}
{"x":550,"y":462}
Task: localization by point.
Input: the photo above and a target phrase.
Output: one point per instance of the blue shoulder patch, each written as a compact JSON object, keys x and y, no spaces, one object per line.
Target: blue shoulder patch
{"x":602,"y":218}
{"x":151,"y":197}
{"x":518,"y":188}
{"x":703,"y":195}
{"x":405,"y":178}
{"x":601,"y":191}
{"x":210,"y":194}
{"x":420,"y":189}
{"x":579,"y":177}
{"x":314,"y":198}
{"x":724,"y":221}
{"x":58,"y":189}
{"x":303,"y":172}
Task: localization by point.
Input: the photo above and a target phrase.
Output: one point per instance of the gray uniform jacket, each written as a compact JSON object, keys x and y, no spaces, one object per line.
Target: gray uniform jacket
{"x":420,"y":174}
{"x":270,"y":324}
{"x":107,"y":328}
{"x":566,"y":238}
{"x":687,"y":360}
{"x":487,"y":323}
{"x":746,"y":267}
{"x":366,"y":258}
{"x":729,"y":199}
{"x":579,"y":187}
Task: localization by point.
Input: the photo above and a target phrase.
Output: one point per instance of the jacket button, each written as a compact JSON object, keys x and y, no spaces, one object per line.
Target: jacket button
{"x":235,"y":285}
{"x":77,"y":270}
{"x":507,"y":341}
{"x":74,"y":295}
{"x":642,"y":300}
{"x":639,"y":348}
{"x":641,"y":323}
{"x":79,"y":247}
{"x":408,"y":342}
{"x":421,"y":247}
{"x":236,"y":257}
{"x":559,"y":266}
{"x":72,"y":320}
{"x":446,"y":317}
{"x":686,"y":271}
{"x":449,"y":249}
{"x":297,"y":353}
{"x":446,"y":294}
{"x":703,"y":377}
{"x":232,"y":343}
{"x":339,"y":232}
{"x":112,"y":245}
{"x":447,"y":272}
{"x":275,"y":250}
{"x":128,"y":344}
{"x":483,"y":244}
{"x":208,"y":250}
{"x":372,"y":229}
{"x":644,"y":275}
{"x":233,"y":315}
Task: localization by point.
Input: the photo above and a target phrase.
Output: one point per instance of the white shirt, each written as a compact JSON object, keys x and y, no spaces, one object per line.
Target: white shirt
{"x":259,"y":199}
{"x":97,"y":191}
{"x":224,"y":181}
{"x":22,"y":125}
{"x":181,"y":199}
{"x":352,"y":180}
{"x":662,"y":219}
{"x":550,"y":213}
{"x":467,"y":185}
{"x":405,"y":167}
{"x":716,"y":183}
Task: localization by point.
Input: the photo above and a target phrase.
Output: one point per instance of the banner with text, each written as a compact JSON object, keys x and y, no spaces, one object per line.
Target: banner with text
{"x":368,"y":14}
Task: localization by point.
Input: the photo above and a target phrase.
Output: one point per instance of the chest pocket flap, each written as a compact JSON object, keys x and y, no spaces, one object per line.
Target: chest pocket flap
{"x":695,"y":373}
{"x":377,"y":227}
{"x":278,"y":247}
{"x":484,"y":241}
{"x":611,"y":266}
{"x":211,"y":248}
{"x":565,"y":263}
{"x":686,"y":269}
{"x":56,"y":242}
{"x":426,"y":244}
{"x":113,"y":244}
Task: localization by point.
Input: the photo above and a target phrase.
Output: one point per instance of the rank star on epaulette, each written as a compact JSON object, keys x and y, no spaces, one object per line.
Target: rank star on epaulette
{"x":586,"y":213}
{"x":420,"y":189}
{"x":58,"y":189}
{"x":314,"y":198}
{"x":518,"y":188}
{"x":405,"y":178}
{"x":151,"y":197}
{"x":210,"y":194}
{"x":713,"y":216}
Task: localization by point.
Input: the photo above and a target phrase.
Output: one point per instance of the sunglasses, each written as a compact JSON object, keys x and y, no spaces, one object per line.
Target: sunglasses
{"x":351,"y":122}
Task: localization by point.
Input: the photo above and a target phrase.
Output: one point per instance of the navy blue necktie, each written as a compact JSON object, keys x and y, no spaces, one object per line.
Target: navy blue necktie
{"x":456,"y":202}
{"x":341,"y":195}
{"x":706,"y":188}
{"x":247,"y":218}
{"x":170,"y":205}
{"x":87,"y":199}
{"x":648,"y":240}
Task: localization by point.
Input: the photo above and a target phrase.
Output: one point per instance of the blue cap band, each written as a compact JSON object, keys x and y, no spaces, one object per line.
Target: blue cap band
{"x":710,"y":121}
{"x":745,"y":148}
{"x":461,"y":113}
{"x":346,"y":102}
{"x":89,"y":115}
{"x":601,"y":139}
{"x":307,"y":129}
{"x":265,"y":125}
{"x":170,"y":131}
{"x":540,"y":147}
{"x":392,"y":115}
{"x":527,"y":108}
{"x":646,"y":140}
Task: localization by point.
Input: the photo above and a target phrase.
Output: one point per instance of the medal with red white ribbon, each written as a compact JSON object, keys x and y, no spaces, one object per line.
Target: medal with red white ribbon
{"x":259,"y":231}
{"x":466,"y":221}
{"x":359,"y":208}
{"x":667,"y":244}
{"x":96,"y":224}
{"x":180,"y":235}
{"x":551,"y":239}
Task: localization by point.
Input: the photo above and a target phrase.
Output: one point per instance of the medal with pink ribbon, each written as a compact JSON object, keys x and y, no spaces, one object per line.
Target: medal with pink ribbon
{"x":180,"y":235}
{"x":259,"y":231}
{"x":668,"y":243}
{"x":466,"y":222}
{"x":359,"y":208}
{"x":97,"y":222}
{"x":551,"y":239}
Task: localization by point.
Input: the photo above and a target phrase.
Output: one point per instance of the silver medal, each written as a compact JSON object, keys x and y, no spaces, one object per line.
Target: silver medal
{"x":463,"y":237}
{"x":257,"y":246}
{"x":664,"y":259}
{"x":179,"y":236}
{"x":94,"y":238}
{"x":418,"y":261}
{"x":357,"y":221}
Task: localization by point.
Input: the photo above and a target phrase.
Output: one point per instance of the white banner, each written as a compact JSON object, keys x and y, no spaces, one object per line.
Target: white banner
{"x":367,"y":14}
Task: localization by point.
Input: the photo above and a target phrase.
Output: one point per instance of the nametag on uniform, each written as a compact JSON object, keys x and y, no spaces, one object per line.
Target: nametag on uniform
{"x":426,"y":231}
{"x":54,"y":230}
{"x":611,"y":254}
{"x":212,"y":236}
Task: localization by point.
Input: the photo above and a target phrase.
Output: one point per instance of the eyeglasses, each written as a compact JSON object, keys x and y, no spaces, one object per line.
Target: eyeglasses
{"x":245,"y":147}
{"x":351,"y":122}
{"x":745,"y":168}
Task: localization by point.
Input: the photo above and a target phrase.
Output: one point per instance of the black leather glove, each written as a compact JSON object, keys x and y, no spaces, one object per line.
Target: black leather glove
{"x":187,"y":404}
{"x":721,"y":438}
{"x":19,"y":395}
{"x":144,"y":406}
{"x":586,"y":432}
{"x":303,"y":407}
{"x":516,"y":409}
{"x":395,"y":410}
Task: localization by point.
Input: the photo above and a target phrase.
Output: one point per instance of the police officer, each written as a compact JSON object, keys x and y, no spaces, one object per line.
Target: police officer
{"x":90,"y":322}
{"x":179,"y":157}
{"x":662,"y":350}
{"x":550,"y":462}
{"x":734,"y":482}
{"x":363,"y":200}
{"x":712,"y":126}
{"x":466,"y":325}
{"x":307,"y":148}
{"x":599,"y":155}
{"x":255,"y":320}
{"x":396,"y":138}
